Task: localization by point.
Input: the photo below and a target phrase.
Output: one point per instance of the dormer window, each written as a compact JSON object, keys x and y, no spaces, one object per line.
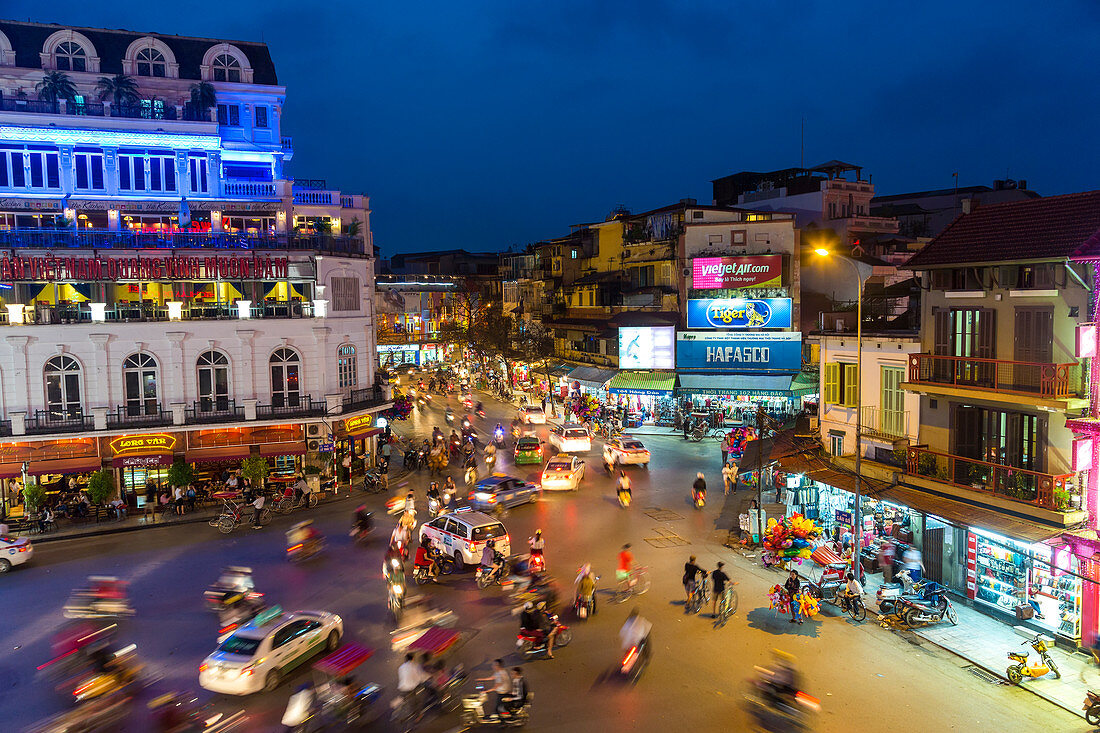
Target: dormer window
{"x":70,"y":56}
{"x":227,"y":68}
{"x":151,"y":62}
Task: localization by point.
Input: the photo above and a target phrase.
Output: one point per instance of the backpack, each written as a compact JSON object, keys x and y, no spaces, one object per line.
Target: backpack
{"x":190,"y":493}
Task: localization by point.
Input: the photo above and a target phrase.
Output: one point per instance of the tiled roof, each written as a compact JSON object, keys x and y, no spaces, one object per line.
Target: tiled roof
{"x":1046,"y":228}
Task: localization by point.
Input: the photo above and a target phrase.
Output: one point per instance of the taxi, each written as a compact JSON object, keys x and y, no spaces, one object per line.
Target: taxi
{"x":625,"y":450}
{"x":462,"y":535}
{"x":571,"y":438}
{"x":528,"y":450}
{"x":563,"y":473}
{"x":532,"y":415}
{"x":14,"y":551}
{"x":260,"y":654}
{"x":499,"y":491}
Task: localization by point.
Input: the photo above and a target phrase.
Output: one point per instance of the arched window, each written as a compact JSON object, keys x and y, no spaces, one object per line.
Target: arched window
{"x":150,"y":62}
{"x":139,"y":376}
{"x":347,"y":368}
{"x":213,"y":381}
{"x":70,"y":56}
{"x":227,"y":68}
{"x":285,"y":372}
{"x":63,"y":388}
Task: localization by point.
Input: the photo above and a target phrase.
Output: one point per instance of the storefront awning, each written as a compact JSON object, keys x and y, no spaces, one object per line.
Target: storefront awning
{"x":216,"y":455}
{"x":592,"y":378}
{"x":654,"y":384}
{"x":560,"y":370}
{"x":282,"y":449}
{"x":64,"y":466}
{"x":805,"y":383}
{"x":762,"y":385}
{"x":11,"y":470}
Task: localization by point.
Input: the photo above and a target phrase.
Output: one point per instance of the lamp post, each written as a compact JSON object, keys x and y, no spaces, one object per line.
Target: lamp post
{"x":857,"y":517}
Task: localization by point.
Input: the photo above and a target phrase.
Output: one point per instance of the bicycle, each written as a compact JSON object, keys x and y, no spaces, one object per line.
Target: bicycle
{"x":852,"y":606}
{"x":636,"y":583}
{"x":727,"y":606}
{"x":289,"y":502}
{"x":700,"y":595}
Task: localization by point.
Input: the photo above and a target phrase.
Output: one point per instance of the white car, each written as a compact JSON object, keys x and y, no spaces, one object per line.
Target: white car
{"x":563,"y":472}
{"x":260,"y":654}
{"x":532,"y":415}
{"x":463,"y":535}
{"x":570,"y":438}
{"x":14,"y":551}
{"x":625,"y":450}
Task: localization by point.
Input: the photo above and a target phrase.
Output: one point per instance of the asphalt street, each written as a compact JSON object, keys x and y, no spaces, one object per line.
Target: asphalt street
{"x":867,"y":678}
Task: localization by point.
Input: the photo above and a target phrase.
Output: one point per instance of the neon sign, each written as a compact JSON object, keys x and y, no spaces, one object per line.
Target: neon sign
{"x":171,"y":267}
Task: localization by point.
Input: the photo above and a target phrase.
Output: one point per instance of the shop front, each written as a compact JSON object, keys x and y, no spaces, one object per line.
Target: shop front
{"x":141,"y":463}
{"x":739,"y":396}
{"x":646,"y":396}
{"x":50,"y":463}
{"x":586,"y":380}
{"x":356,"y":436}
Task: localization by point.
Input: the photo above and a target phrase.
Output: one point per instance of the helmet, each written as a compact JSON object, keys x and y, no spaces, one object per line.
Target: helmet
{"x":528,"y":606}
{"x":538,"y":533}
{"x":699,"y":475}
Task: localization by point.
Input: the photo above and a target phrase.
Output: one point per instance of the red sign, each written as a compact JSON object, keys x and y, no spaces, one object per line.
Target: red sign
{"x":753,"y":271}
{"x":971,"y":565}
{"x":48,"y":268}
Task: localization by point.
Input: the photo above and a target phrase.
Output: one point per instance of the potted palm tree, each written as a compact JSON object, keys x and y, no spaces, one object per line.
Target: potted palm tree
{"x":34,"y":497}
{"x":203,"y":97}
{"x":55,"y":86}
{"x":122,"y":90}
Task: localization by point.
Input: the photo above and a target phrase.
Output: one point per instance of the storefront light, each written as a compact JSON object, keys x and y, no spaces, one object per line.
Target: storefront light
{"x":381,"y":422}
{"x":16,"y":313}
{"x":244,"y":309}
{"x":175,"y":310}
{"x":320,"y":308}
{"x":99,"y":312}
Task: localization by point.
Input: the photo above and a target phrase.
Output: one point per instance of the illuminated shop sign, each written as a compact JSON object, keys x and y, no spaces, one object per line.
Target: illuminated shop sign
{"x":739,"y":313}
{"x":754,"y":271}
{"x":170,"y":267}
{"x":149,"y":443}
{"x":646,"y":347}
{"x":358,"y":424}
{"x":733,"y":352}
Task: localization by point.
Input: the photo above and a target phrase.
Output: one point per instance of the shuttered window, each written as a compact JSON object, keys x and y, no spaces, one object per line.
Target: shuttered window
{"x":851,"y":385}
{"x":832,"y":384}
{"x":345,"y":293}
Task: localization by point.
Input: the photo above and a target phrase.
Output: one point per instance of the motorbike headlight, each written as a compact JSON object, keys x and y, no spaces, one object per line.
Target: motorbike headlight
{"x":398,"y":589}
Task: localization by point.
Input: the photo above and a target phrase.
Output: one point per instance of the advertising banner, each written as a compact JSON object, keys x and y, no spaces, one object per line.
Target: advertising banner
{"x":647,"y":347}
{"x":734,"y":353}
{"x":749,"y":271}
{"x":739,"y":313}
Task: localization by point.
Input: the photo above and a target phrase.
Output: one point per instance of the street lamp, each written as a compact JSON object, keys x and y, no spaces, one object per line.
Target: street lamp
{"x":857,"y":517}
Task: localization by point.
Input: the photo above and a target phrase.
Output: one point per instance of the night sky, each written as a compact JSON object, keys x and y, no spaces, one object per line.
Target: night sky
{"x":486,"y":124}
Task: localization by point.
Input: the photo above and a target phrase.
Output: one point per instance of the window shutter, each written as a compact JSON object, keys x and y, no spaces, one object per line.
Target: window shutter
{"x":941,"y":345}
{"x":986,"y":334}
{"x":832,"y":384}
{"x":851,"y":385}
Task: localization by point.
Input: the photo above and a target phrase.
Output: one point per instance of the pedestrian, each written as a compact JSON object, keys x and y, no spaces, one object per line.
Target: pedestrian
{"x":177,"y":500}
{"x":886,"y":561}
{"x":719,"y":579}
{"x":191,"y":496}
{"x":544,"y":403}
{"x":726,"y":448}
{"x":384,"y":472}
{"x":691,"y":572}
{"x":911,"y":561}
{"x":257,"y":510}
{"x":793,"y":586}
{"x":728,"y":478}
{"x":387,"y":450}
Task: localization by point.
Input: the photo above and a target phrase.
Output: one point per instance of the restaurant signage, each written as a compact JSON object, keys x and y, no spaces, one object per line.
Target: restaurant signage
{"x":752,"y":271}
{"x":14,"y":268}
{"x":158,"y":459}
{"x":150,"y":443}
{"x":358,"y":424}
{"x":739,"y":313}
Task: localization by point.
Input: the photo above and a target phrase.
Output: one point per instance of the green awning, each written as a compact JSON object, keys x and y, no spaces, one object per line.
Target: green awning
{"x":653,"y":384}
{"x":805,"y":383}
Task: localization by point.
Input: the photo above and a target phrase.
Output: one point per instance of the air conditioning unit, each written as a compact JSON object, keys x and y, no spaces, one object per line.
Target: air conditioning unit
{"x":314,"y":444}
{"x":314,"y":430}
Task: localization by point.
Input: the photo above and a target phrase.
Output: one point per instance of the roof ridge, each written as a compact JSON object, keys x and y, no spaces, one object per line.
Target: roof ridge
{"x":123,"y":31}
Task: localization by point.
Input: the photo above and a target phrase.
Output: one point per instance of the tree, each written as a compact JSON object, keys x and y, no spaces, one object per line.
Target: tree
{"x":354,"y":227}
{"x":121,"y":89}
{"x":101,"y":487}
{"x":180,"y":473}
{"x":536,"y":343}
{"x":55,"y":86}
{"x":203,"y":96}
{"x":255,"y":469}
{"x":34,"y":496}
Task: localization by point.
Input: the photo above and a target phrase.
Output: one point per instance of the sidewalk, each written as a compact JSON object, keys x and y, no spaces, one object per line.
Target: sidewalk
{"x":985,"y":642}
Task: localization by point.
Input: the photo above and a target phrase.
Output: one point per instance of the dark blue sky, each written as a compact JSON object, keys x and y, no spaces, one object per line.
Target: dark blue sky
{"x":483,"y":124}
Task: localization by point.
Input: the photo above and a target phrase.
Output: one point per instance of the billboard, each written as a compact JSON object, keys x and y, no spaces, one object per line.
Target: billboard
{"x":647,"y":347}
{"x":733,"y":353}
{"x":739,"y":313}
{"x":750,"y":271}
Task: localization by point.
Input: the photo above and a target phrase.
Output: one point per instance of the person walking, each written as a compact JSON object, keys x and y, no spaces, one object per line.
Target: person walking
{"x":729,"y":478}
{"x":718,"y":579}
{"x":257,"y":510}
{"x":727,"y":445}
{"x":691,"y":572}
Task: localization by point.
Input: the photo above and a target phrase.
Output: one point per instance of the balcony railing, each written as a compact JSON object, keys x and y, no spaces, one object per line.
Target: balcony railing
{"x":1017,"y":484}
{"x":144,"y":312}
{"x":7,"y":104}
{"x":889,"y":424}
{"x":108,"y":239}
{"x":130,"y":416}
{"x":258,"y":189}
{"x":59,"y":421}
{"x":293,"y":406}
{"x":1056,"y":381}
{"x":144,"y":112}
{"x":213,"y":410}
{"x":359,"y":399}
{"x":316,"y":198}
{"x":288,"y":143}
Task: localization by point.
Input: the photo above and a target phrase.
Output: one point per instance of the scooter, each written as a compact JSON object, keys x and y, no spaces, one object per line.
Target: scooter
{"x":699,"y":498}
{"x":492,"y":576}
{"x":933,"y":607}
{"x":395,"y":601}
{"x":888,"y":594}
{"x":624,"y":498}
{"x":533,"y":641}
{"x":1091,"y":706}
{"x":635,"y":661}
{"x":302,"y":551}
{"x":1045,"y":665}
{"x":474,"y":714}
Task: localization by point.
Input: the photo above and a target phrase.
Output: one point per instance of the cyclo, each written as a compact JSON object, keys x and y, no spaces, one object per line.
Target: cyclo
{"x":342,"y":701}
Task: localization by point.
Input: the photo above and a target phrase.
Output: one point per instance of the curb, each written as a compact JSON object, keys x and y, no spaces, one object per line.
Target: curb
{"x":999,"y":675}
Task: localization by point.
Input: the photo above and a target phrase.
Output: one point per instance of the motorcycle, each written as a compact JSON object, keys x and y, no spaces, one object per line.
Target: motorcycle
{"x":444,"y":565}
{"x":624,"y":498}
{"x":302,"y":551}
{"x":1091,"y":706}
{"x":498,"y":438}
{"x":105,"y":598}
{"x":635,"y":661}
{"x":473,"y":711}
{"x":435,"y":507}
{"x":933,"y":607}
{"x":1016,"y":672}
{"x":491,"y":576}
{"x":888,"y":593}
{"x":395,"y":598}
{"x":534,"y":641}
{"x":699,"y":498}
{"x":449,"y":416}
{"x":120,"y":673}
{"x":409,"y":710}
{"x":774,"y":710}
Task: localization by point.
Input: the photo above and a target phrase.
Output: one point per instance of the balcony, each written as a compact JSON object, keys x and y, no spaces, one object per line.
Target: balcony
{"x":288,"y":144}
{"x":884,"y":424}
{"x":125,"y":417}
{"x":316,"y":198}
{"x":1016,"y":378}
{"x":1044,"y":490}
{"x":149,"y":111}
{"x":252,"y":189}
{"x":292,"y":406}
{"x":109,"y":239}
{"x":361,"y":399}
{"x":58,"y":421}
{"x":146,"y":312}
{"x":213,"y":410}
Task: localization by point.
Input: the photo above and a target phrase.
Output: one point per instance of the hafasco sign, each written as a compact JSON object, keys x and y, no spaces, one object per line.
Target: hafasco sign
{"x":739,"y":313}
{"x":733,"y":352}
{"x":48,"y":268}
{"x":150,"y":443}
{"x":753,"y":271}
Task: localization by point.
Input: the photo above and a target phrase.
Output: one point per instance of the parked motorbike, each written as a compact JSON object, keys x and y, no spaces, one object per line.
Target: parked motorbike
{"x":932,"y":607}
{"x":533,"y":641}
{"x":1091,"y":706}
{"x":1016,"y":672}
{"x":474,"y":713}
{"x":888,"y":593}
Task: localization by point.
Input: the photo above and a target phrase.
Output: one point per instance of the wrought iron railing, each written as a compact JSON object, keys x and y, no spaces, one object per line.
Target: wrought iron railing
{"x":291,"y":406}
{"x":359,"y":399}
{"x":59,"y":421}
{"x":1057,"y":381}
{"x":108,"y":239}
{"x":126,"y":416}
{"x":213,"y":410}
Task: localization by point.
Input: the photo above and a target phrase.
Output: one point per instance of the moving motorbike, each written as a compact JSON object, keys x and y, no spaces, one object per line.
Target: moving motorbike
{"x":104,"y":597}
{"x":776,"y":706}
{"x":1016,"y":672}
{"x":361,"y":528}
{"x":489,"y":576}
{"x":635,"y":661}
{"x":533,"y":641}
{"x":411,"y":709}
{"x":474,"y":713}
{"x":698,"y":498}
{"x":498,"y":437}
{"x":395,"y":597}
{"x":118,"y":672}
{"x":444,"y":565}
{"x":624,"y":496}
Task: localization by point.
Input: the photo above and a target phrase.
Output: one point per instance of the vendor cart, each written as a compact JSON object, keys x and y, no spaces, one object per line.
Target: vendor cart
{"x":343,"y":702}
{"x":828,"y":579}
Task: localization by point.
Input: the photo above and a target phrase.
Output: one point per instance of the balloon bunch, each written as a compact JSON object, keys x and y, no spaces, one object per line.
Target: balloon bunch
{"x":585,"y":407}
{"x":808,"y":606}
{"x":793,"y":537}
{"x":779,"y":600}
{"x":741,"y":436}
{"x":402,"y":408}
